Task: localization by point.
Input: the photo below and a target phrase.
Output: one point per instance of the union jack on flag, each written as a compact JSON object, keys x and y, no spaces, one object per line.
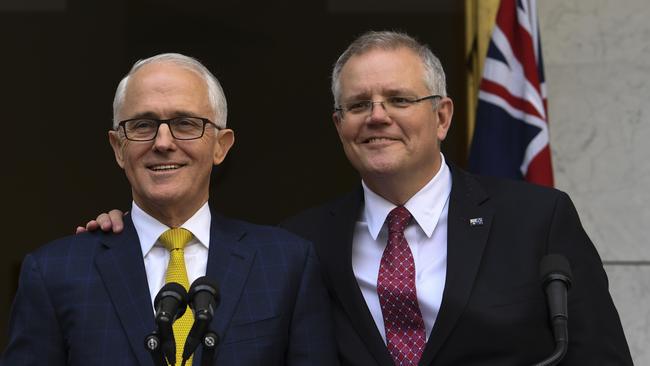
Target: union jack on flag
{"x":511,"y":137}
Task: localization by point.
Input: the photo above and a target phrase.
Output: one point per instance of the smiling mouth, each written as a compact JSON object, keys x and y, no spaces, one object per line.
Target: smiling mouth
{"x":378,"y":139}
{"x":165,"y":167}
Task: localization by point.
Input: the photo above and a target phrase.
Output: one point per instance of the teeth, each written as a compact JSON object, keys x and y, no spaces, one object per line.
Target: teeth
{"x":165,"y":167}
{"x":373,"y":139}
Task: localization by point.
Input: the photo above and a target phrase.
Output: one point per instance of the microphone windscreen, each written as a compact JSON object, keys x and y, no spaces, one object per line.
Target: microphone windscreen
{"x":176,"y":290}
{"x":204,"y":283}
{"x":172,"y":290}
{"x":553,"y":265}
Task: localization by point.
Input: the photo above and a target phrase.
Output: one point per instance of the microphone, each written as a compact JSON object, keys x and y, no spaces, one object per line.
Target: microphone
{"x":203,"y":298}
{"x":555,"y":273}
{"x":170,"y":304}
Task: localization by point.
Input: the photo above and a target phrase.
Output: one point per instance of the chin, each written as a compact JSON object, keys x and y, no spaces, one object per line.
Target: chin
{"x":165,"y":196}
{"x":379,"y":167}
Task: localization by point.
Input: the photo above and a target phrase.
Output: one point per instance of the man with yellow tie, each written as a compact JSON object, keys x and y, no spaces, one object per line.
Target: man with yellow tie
{"x":87,"y":299}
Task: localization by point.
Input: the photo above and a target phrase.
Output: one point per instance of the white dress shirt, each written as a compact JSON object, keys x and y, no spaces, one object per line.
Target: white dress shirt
{"x":156,"y":257}
{"x":426,"y":236}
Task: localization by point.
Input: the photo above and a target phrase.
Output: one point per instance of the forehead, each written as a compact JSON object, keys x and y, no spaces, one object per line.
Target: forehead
{"x":381,"y":71}
{"x":164,"y":90}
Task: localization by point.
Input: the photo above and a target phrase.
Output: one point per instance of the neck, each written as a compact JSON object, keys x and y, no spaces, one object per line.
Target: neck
{"x":169,"y":215}
{"x":399,"y":188}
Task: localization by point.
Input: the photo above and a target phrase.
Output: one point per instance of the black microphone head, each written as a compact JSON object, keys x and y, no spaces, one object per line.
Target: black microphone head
{"x":203,"y":298}
{"x":555,"y":267}
{"x":175,"y":292}
{"x":202,"y":290}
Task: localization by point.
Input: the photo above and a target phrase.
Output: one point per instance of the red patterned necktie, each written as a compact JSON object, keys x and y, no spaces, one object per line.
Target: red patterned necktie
{"x":405,"y":334}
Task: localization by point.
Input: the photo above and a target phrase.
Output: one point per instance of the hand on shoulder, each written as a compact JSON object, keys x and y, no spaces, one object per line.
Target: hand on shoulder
{"x":111,"y":221}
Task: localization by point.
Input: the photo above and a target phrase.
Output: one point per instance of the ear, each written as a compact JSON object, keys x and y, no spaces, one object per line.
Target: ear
{"x":336,"y":118}
{"x":224,"y":141}
{"x":445,"y":111}
{"x":118,"y":147}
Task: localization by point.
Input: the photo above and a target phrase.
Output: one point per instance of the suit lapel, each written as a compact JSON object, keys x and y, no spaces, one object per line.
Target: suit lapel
{"x":229,"y":263}
{"x":338,"y":260}
{"x":465,"y":244}
{"x":121,"y":268}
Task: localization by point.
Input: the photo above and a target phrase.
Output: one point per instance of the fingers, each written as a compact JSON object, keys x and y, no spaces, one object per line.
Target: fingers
{"x":103,"y":222}
{"x":117,"y":218}
{"x":106,"y":222}
{"x":92,"y":225}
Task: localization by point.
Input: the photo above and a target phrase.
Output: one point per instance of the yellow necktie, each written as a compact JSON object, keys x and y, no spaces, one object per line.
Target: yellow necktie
{"x":175,"y":240}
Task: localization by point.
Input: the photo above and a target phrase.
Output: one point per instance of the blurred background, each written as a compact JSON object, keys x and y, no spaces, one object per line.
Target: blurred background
{"x":62,"y":59}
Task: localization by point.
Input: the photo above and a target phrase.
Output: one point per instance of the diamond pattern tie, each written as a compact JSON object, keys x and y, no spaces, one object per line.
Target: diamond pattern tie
{"x":175,"y":241}
{"x":405,"y":334}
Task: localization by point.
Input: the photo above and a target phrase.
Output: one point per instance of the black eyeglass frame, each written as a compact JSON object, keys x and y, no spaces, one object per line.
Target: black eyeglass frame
{"x":167,"y":122}
{"x":340,"y":109}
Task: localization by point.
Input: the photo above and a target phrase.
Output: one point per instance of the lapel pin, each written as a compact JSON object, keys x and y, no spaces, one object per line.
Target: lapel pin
{"x":477,"y":221}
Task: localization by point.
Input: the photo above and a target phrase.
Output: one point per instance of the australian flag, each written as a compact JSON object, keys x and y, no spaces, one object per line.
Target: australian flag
{"x":511,"y":137}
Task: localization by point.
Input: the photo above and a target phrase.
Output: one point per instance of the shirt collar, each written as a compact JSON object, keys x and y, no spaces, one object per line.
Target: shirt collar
{"x":426,"y":205}
{"x":149,"y":229}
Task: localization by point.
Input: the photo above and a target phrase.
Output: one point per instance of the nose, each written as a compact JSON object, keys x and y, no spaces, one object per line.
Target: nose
{"x":164,"y":139}
{"x":378,"y":112}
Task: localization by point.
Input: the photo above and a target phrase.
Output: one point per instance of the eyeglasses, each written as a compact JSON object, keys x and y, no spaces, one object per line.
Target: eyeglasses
{"x":396,"y":104}
{"x":181,"y":128}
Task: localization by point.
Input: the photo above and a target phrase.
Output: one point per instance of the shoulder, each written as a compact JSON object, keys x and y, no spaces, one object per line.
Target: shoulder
{"x":503,"y":191}
{"x":62,"y":260}
{"x":78,"y":245}
{"x":260,"y":235}
{"x":512,"y":188}
{"x":312,"y":219}
{"x":270,"y":246}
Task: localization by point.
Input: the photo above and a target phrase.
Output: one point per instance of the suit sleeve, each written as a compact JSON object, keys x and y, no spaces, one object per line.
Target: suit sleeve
{"x":595,"y":333}
{"x":311,"y":340}
{"x":35,"y":336}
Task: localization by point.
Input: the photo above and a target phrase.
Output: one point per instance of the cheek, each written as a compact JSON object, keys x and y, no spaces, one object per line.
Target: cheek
{"x":348,"y":132}
{"x":202,"y":155}
{"x":430,"y":131}
{"x":132,"y":154}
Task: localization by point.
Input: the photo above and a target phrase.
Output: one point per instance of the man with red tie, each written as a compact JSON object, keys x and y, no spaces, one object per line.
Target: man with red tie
{"x":427,"y":264}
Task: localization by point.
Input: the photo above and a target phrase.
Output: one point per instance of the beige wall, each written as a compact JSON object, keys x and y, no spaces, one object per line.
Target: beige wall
{"x":597,"y":56}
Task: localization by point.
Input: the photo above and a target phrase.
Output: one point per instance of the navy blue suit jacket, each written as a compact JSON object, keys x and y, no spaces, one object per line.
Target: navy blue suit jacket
{"x":84,"y":300}
{"x":493,"y":309}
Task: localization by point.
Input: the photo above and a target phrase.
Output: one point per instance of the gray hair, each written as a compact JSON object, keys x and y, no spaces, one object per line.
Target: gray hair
{"x":215,"y":92}
{"x":434,"y":77}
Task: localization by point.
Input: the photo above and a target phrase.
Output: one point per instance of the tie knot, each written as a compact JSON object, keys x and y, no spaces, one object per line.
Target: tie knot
{"x":397,"y":219}
{"x":176,"y":238}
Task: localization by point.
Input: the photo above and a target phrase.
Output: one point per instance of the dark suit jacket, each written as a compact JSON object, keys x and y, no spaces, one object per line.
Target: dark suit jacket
{"x":84,"y":300}
{"x":493,"y":310}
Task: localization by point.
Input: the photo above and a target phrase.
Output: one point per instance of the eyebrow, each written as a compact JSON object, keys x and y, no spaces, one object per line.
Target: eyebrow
{"x":394,"y":92}
{"x":365,"y":95}
{"x":153,"y":115}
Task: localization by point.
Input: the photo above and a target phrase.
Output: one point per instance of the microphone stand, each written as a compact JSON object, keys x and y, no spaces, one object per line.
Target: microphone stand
{"x":556,"y":280}
{"x":561,"y":334}
{"x":152,"y":344}
{"x":210,"y":343}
